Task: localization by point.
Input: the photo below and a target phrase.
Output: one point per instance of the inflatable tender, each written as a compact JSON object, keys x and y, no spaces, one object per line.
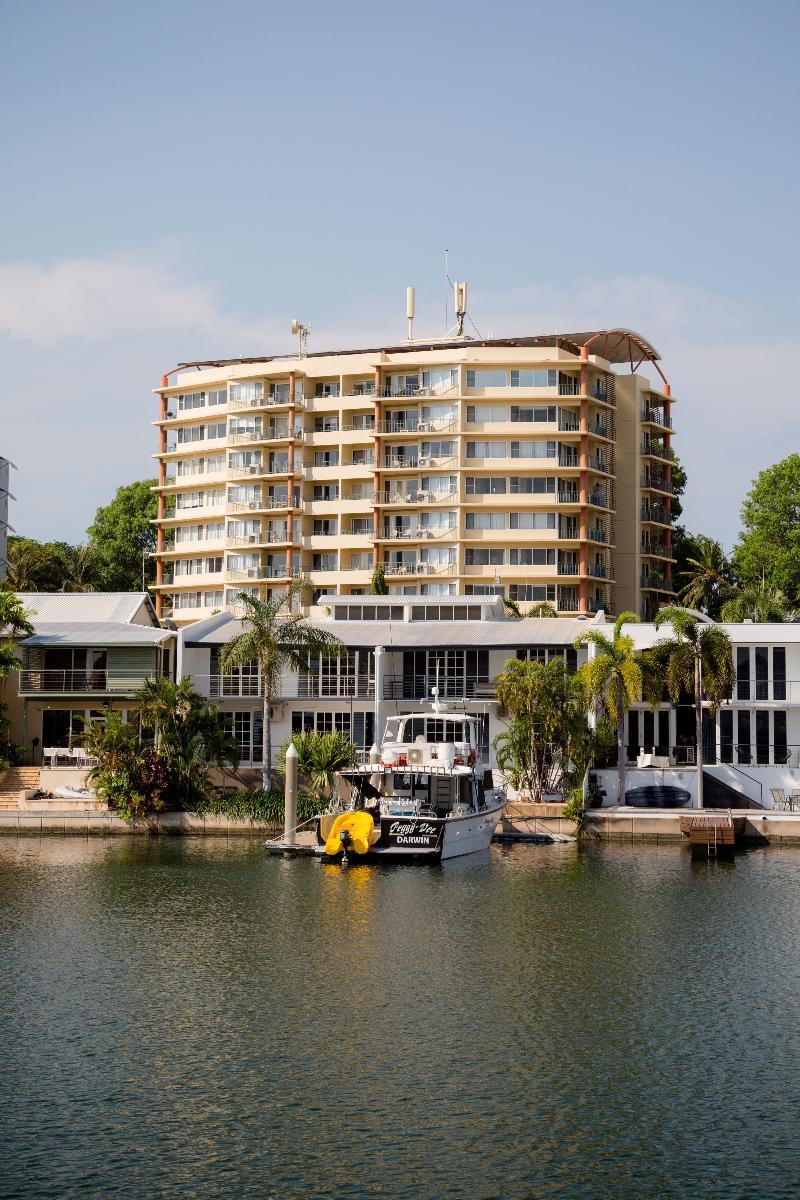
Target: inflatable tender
{"x":358,"y":828}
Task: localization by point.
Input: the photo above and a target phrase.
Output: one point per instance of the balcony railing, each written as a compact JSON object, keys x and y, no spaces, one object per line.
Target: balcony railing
{"x":567,"y":460}
{"x":401,"y":463}
{"x":597,"y":570}
{"x":656,"y":417}
{"x":566,"y":568}
{"x":419,"y":687}
{"x":598,"y":535}
{"x":568,"y":498}
{"x":48,"y":680}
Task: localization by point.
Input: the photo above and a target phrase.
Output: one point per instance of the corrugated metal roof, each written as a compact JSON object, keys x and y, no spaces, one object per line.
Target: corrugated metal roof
{"x":96,"y":633}
{"x":530,"y":631}
{"x":63,"y":607}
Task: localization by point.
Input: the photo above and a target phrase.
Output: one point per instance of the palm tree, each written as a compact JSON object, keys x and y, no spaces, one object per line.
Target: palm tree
{"x":698,"y":660}
{"x":614,"y":678}
{"x":14,"y":624}
{"x":542,"y":608}
{"x":278,"y":640}
{"x":321,"y":757}
{"x":708,"y":576}
{"x":758,"y":603}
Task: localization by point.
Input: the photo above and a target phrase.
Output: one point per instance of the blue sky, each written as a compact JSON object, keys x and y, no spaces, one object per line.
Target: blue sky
{"x":182,"y":179}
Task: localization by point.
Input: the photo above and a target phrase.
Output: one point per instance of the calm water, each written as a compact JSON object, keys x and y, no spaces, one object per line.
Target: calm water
{"x":193,"y":1019}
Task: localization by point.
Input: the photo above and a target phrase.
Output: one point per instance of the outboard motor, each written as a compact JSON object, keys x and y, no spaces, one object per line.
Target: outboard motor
{"x":345,"y":837}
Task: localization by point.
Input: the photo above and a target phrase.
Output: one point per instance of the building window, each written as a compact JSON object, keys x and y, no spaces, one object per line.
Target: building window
{"x":533,"y":414}
{"x":533,"y":449}
{"x":485,"y":520}
{"x":487,"y":378}
{"x":743,"y":752}
{"x":781,"y":749}
{"x":485,"y":486}
{"x":742,"y":672}
{"x":762,"y":736}
{"x":762,"y":672}
{"x":478,"y":556}
{"x":190,"y":400}
{"x":534,"y":379}
{"x":326,"y":458}
{"x":531,"y":520}
{"x":779,"y":673}
{"x":726,"y":735}
{"x":526,"y":485}
{"x":326,"y":424}
{"x":527,"y":556}
{"x":249,"y":392}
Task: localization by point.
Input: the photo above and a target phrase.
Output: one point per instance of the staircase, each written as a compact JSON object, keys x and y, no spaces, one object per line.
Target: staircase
{"x":725,"y":786}
{"x":14,"y":786}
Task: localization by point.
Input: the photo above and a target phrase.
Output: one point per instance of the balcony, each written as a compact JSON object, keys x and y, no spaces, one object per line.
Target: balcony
{"x":568,"y":497}
{"x":567,"y":568}
{"x":598,"y":571}
{"x":568,"y":460}
{"x":112,"y":682}
{"x":568,"y":424}
{"x":655,"y":416}
{"x":396,"y":462}
{"x":419,"y":687}
{"x":598,"y":535}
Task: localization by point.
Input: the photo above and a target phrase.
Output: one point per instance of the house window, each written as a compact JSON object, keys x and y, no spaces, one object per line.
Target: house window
{"x":781,"y":749}
{"x":762,"y":672}
{"x":487,"y":379}
{"x":743,"y":673}
{"x":534,"y":379}
{"x":779,"y":673}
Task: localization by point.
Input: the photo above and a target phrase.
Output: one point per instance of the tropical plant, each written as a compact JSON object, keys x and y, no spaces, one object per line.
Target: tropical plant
{"x":708,"y":577}
{"x":697,"y":660}
{"x":14,"y":624}
{"x":547,"y":743}
{"x":190,"y":736}
{"x":758,"y":603}
{"x":320,"y":758}
{"x":277,"y":639}
{"x":378,"y":585}
{"x":542,"y":608}
{"x":128,"y":778}
{"x":613,"y":679}
{"x":254,"y":804}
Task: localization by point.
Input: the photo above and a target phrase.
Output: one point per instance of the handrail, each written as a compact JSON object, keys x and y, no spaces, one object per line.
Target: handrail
{"x":760,"y":801}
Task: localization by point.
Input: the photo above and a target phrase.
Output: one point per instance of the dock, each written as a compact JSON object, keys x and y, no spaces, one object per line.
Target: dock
{"x":305,"y":845}
{"x":714,"y":834}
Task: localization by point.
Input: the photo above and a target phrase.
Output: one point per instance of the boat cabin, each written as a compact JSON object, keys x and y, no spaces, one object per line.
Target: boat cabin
{"x":435,"y":740}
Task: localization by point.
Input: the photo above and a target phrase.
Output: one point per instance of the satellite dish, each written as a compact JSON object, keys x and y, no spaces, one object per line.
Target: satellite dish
{"x":295,"y":326}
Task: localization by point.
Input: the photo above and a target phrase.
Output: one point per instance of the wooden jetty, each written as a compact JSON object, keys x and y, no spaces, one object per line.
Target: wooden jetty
{"x":712,"y":833}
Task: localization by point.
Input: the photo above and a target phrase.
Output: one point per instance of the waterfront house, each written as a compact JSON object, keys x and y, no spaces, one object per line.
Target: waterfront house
{"x":89,"y":654}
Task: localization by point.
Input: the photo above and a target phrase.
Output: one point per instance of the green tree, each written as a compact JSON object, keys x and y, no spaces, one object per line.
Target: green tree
{"x":378,"y":585}
{"x":320,"y":758}
{"x":190,"y":736}
{"x":768,"y":549}
{"x":278,"y":639}
{"x":14,"y":624}
{"x":613,"y":678}
{"x":758,"y":603}
{"x":707,"y":577}
{"x":37,"y":566}
{"x":123,"y":537}
{"x":678,"y":485}
{"x":548,"y":742}
{"x":696,"y":660}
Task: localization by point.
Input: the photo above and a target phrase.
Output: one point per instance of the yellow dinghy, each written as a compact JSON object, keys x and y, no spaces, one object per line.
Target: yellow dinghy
{"x":359,"y":831}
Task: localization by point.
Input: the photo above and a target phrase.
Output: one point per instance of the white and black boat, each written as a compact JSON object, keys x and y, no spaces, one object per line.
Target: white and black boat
{"x":424,"y":795}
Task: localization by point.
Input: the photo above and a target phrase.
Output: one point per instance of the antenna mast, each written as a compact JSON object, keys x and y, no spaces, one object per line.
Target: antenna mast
{"x":304,"y":331}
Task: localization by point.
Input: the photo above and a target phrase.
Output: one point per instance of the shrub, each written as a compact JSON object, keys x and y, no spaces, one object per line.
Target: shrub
{"x":254,"y":804}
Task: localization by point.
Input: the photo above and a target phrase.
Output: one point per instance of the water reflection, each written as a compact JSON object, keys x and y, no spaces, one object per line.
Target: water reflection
{"x":190,"y":1018}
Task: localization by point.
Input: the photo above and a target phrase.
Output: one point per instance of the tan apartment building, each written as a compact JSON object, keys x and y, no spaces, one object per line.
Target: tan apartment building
{"x":528,"y":467}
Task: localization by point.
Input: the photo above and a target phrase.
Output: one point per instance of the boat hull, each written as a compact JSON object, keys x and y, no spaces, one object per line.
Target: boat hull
{"x":433,"y":838}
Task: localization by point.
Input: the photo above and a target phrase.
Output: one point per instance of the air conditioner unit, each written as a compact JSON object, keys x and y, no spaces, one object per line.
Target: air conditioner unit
{"x":422,"y":497}
{"x":426,"y":461}
{"x":424,"y":426}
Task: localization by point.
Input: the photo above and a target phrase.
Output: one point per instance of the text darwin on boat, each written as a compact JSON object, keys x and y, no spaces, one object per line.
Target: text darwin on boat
{"x":425,"y":796}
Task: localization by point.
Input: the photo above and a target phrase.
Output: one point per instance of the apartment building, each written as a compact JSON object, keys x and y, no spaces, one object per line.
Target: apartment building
{"x":528,"y":467}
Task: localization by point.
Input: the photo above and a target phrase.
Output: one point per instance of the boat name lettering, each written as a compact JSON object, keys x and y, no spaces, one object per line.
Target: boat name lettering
{"x":409,"y":828}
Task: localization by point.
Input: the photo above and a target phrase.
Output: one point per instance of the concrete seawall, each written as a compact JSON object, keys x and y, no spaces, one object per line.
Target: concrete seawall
{"x":613,"y":824}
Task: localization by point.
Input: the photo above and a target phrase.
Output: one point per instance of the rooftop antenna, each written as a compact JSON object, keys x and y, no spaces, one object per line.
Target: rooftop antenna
{"x":304,"y":331}
{"x":446,"y":292}
{"x":461,"y":306}
{"x":410,"y":305}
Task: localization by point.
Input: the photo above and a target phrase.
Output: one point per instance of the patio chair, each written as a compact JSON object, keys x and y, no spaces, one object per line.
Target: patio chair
{"x":779,"y":798}
{"x":51,"y":752}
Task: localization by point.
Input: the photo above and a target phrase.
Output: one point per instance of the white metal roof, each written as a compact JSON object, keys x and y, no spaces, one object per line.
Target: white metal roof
{"x":96,"y":633}
{"x":64,"y":607}
{"x":530,"y":631}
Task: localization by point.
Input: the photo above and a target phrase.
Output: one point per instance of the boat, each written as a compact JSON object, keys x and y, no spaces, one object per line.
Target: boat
{"x":423,"y":795}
